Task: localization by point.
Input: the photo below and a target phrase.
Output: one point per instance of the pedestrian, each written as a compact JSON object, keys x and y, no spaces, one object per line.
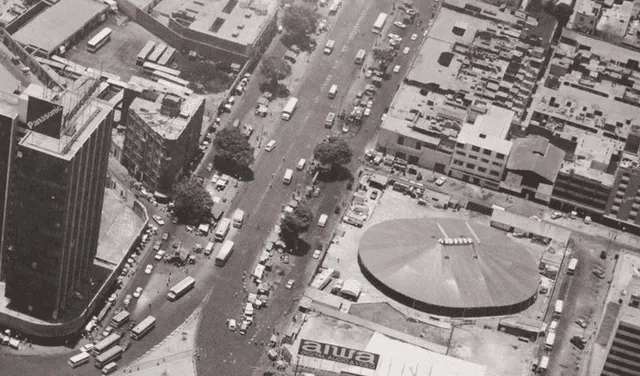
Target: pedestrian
{"x":283,"y":159}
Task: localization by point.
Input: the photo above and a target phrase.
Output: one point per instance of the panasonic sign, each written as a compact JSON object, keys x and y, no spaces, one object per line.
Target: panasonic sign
{"x":44,"y":117}
{"x":48,"y":115}
{"x":338,"y":354}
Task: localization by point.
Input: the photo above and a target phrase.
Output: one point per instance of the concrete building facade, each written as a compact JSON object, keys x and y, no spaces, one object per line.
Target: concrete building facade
{"x":161,"y":136}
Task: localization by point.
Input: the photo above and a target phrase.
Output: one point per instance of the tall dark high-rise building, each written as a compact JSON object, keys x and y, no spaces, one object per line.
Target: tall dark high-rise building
{"x":52,"y":177}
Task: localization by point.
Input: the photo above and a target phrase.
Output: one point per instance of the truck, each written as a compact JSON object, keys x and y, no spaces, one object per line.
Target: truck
{"x":549,"y":341}
{"x":289,"y":108}
{"x":557,"y":308}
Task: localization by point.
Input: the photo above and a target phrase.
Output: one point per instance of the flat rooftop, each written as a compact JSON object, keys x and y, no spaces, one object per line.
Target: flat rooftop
{"x":119,"y":228}
{"x":140,"y":84}
{"x":49,"y":29}
{"x":80,"y":128}
{"x":166,"y":126}
{"x":240,"y":22}
{"x":489,"y":131}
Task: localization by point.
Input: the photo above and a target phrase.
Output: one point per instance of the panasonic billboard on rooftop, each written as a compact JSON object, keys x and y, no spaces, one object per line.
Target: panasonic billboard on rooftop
{"x":44,"y":117}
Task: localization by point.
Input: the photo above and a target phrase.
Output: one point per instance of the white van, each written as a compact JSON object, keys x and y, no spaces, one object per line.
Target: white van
{"x":322,"y":221}
{"x":270,"y":145}
{"x":333,"y":91}
{"x":208,"y":249}
{"x":301,"y":164}
{"x":238,"y":218}
{"x":287,"y":176}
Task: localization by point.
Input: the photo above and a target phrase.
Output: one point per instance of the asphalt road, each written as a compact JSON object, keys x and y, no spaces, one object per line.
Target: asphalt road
{"x":229,"y":353}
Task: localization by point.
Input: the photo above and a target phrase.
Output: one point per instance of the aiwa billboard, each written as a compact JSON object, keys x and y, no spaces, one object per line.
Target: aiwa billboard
{"x":338,"y":354}
{"x":44,"y":117}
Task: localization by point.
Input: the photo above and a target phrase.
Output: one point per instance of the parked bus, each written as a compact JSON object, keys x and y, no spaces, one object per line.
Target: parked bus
{"x":109,"y":356}
{"x":288,"y":175}
{"x":102,"y":38}
{"x":120,"y":319}
{"x":79,"y":359}
{"x":379,"y":24}
{"x":360,"y":56}
{"x":149,"y":68}
{"x":328,"y":47}
{"x":145,"y":326}
{"x":222,"y":230}
{"x":573,"y":264}
{"x":167,"y":56}
{"x":181,"y":288}
{"x":557,"y":308}
{"x":144,"y":53}
{"x":160,"y":75}
{"x":155,"y":55}
{"x":224,"y":253}
{"x":238,"y":218}
{"x":104,"y":345}
{"x":290,"y":108}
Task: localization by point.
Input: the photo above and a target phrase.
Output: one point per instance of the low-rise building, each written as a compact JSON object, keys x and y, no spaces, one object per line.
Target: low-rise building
{"x":162,"y":133}
{"x":482,"y":148}
{"x":585,"y":16}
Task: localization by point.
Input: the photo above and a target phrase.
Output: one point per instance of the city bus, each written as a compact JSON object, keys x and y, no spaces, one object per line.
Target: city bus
{"x":181,"y":288}
{"x":102,"y":38}
{"x":155,"y":55}
{"x":224,"y":253}
{"x":160,"y":75}
{"x":149,"y":68}
{"x":166,"y":56}
{"x":144,"y":327}
{"x":109,"y":356}
{"x":144,"y":53}
{"x":104,"y":345}
{"x":289,"y":108}
{"x":79,"y":359}
{"x":573,"y":264}
{"x":120,"y":319}
{"x":222,"y":230}
{"x":360,"y":56}
{"x":379,"y":24}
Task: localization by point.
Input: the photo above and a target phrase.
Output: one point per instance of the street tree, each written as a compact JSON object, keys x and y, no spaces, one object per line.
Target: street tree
{"x":233,"y":152}
{"x":275,"y":69}
{"x":300,"y":20}
{"x":296,"y":222}
{"x":385,"y":55}
{"x":192,"y":202}
{"x":333,"y":151}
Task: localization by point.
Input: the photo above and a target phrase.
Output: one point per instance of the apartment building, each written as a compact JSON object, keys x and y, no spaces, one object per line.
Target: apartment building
{"x":623,"y":348}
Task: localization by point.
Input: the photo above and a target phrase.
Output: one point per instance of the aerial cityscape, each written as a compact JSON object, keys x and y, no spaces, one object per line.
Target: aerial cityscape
{"x":320,"y":187}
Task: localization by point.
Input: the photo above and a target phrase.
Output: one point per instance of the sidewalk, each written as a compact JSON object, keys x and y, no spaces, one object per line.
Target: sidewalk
{"x":175,"y":355}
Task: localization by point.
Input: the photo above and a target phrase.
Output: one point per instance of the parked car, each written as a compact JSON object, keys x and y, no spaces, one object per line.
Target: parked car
{"x":148,"y":269}
{"x":137,"y":293}
{"x":406,"y":50}
{"x":556,"y":215}
{"x":210,"y":167}
{"x":87,"y":348}
{"x":127,"y":300}
{"x":414,"y":36}
{"x":112,"y":298}
{"x":158,"y":220}
{"x":441,"y":181}
{"x":399,"y":25}
{"x":578,"y":341}
{"x":317,"y":253}
{"x":582,"y":323}
{"x":396,"y":69}
{"x":598,"y":273}
{"x":232,"y":325}
{"x":165,"y":236}
{"x":159,"y":255}
{"x":373,"y":195}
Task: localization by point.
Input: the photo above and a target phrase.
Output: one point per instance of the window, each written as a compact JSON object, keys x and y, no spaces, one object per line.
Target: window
{"x":497,"y":164}
{"x":482,"y":169}
{"x":494,"y":173}
{"x":400,"y":140}
{"x":475,"y":157}
{"x":484,"y":160}
{"x":418,"y":145}
{"x":460,"y":145}
{"x":475,"y":148}
{"x":457,"y":162}
{"x":500,"y":155}
{"x":486,"y":152}
{"x":471,"y":166}
{"x":461,"y":153}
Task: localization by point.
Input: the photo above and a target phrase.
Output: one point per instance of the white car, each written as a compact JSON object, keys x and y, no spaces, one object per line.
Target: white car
{"x":441,"y":181}
{"x":289,"y":284}
{"x":317,"y":253}
{"x":210,"y":167}
{"x":368,"y":73}
{"x":556,"y":215}
{"x":232,"y":325}
{"x":396,"y":69}
{"x":406,"y":50}
{"x":414,"y":36}
{"x":367,"y":112}
{"x":127,"y":301}
{"x":112,"y":298}
{"x":395,"y":37}
{"x":137,"y":293}
{"x":87,"y":348}
{"x":148,"y":269}
{"x":369,"y":104}
{"x":158,"y":220}
{"x":159,"y":255}
{"x":400,"y":25}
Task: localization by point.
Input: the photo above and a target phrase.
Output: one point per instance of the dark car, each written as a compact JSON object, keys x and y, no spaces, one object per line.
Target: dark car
{"x":603,"y":255}
{"x":578,"y":342}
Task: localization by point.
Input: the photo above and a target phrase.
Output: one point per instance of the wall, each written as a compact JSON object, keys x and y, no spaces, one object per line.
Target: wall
{"x":427,"y":158}
{"x":29,"y":61}
{"x":25,"y":17}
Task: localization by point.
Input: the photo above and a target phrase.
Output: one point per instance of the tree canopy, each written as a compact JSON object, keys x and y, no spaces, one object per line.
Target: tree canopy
{"x":233,"y":152}
{"x":297,"y":221}
{"x":275,"y":68}
{"x":192,"y":201}
{"x":300,"y":20}
{"x":333,"y":151}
